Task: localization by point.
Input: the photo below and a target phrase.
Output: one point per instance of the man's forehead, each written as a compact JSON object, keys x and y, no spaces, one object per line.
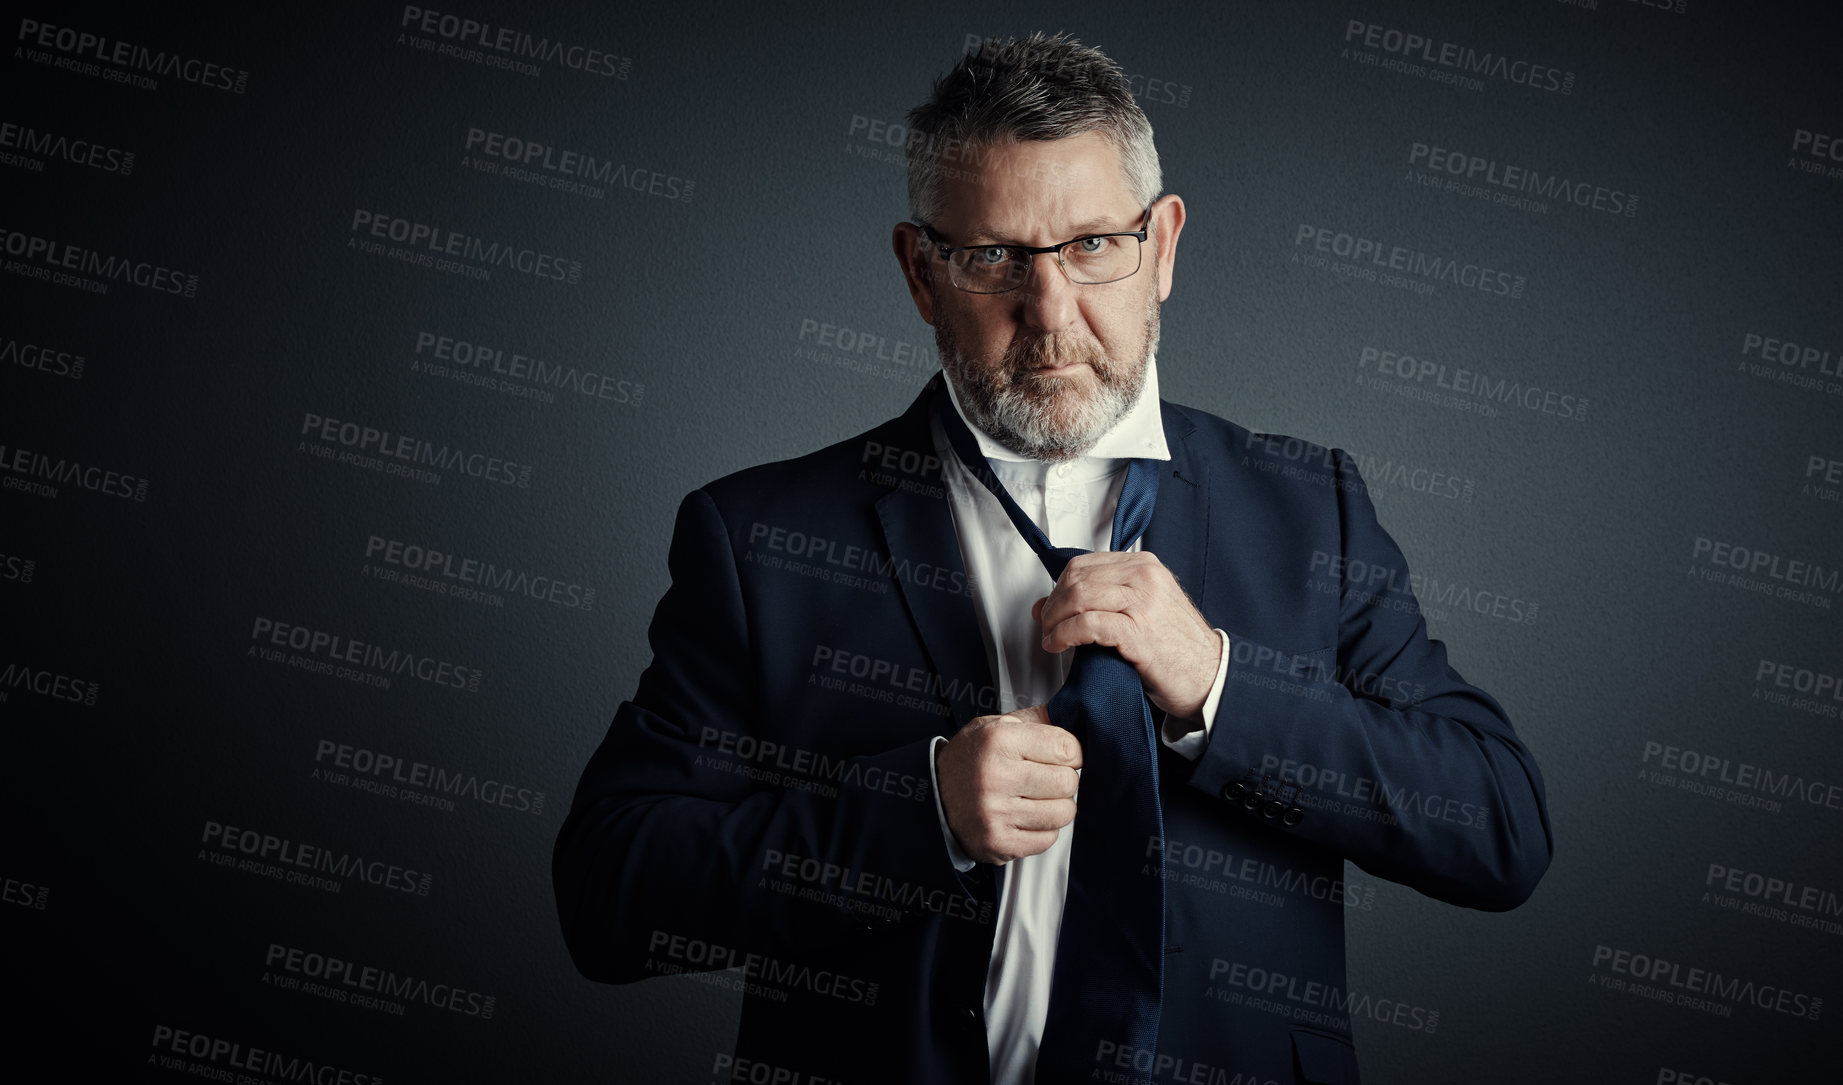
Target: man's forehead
{"x":1053,"y":188}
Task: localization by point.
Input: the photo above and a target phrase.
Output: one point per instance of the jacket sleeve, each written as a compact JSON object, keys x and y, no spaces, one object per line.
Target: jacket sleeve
{"x":1393,"y":760}
{"x":673,"y":853}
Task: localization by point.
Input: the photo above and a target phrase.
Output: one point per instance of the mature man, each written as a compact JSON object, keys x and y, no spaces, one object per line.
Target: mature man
{"x":1023,"y":736}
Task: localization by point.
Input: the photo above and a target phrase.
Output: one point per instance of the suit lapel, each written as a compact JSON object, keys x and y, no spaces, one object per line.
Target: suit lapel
{"x":918,"y":528}
{"x":1179,"y":531}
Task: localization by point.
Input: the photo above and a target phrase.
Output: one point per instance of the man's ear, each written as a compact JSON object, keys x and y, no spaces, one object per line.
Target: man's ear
{"x":914,"y":253}
{"x":1167,"y":224}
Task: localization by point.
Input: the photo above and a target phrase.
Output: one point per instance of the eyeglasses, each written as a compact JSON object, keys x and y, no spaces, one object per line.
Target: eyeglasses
{"x":1090,"y":260}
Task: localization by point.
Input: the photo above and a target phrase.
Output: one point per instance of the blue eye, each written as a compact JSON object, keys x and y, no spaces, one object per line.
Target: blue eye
{"x":994,"y":254}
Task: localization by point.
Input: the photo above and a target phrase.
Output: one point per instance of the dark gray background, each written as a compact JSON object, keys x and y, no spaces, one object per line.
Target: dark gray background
{"x":703,"y":302}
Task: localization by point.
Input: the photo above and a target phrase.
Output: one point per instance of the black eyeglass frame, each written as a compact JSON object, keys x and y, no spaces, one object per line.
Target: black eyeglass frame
{"x":946,"y":252}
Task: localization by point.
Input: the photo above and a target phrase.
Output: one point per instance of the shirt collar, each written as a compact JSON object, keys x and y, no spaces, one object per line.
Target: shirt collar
{"x":1140,"y":435}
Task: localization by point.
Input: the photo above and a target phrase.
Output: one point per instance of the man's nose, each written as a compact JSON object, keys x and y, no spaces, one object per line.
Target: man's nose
{"x":1049,"y":296}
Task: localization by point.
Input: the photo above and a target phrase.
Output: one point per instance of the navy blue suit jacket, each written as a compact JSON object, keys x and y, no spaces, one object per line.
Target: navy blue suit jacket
{"x":760,"y":812}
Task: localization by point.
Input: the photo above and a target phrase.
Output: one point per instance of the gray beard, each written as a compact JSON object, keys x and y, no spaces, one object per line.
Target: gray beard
{"x":1026,"y":412}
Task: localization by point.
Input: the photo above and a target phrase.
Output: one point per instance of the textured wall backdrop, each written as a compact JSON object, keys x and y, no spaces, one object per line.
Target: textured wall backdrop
{"x":356,"y":360}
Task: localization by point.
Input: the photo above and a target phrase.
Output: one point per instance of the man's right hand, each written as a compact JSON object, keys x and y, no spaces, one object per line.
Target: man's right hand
{"x":1008,"y":784}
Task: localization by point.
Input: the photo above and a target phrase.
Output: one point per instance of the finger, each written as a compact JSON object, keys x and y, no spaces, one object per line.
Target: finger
{"x":1029,"y":843}
{"x":1103,"y":596}
{"x":1047,"y":744}
{"x":1040,"y":781}
{"x":1091,"y":627}
{"x":1038,"y":815}
{"x":1120,"y":566}
{"x":1035,"y":714}
{"x":1095,"y":559}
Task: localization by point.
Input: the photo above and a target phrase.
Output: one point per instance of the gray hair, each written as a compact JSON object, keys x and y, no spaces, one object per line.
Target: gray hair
{"x":1036,"y":88}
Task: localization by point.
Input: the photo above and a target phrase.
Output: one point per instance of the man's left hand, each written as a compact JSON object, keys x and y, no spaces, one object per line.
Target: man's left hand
{"x":1130,"y":601}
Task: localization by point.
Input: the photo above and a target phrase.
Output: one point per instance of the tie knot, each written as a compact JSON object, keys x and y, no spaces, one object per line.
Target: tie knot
{"x":1057,"y":558}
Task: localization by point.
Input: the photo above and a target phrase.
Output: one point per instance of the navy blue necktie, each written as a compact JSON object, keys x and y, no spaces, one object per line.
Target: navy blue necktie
{"x":1110,"y":956}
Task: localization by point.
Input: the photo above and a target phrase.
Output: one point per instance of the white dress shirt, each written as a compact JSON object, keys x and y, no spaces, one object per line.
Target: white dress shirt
{"x":1073,"y":503}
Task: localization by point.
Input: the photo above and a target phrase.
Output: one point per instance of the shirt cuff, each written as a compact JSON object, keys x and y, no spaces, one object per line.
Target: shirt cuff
{"x":961,"y":861}
{"x":1190,"y":743}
